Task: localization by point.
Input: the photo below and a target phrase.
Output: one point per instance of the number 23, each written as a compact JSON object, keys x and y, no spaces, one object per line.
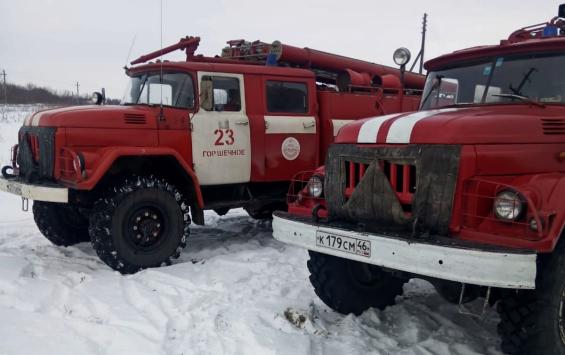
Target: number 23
{"x":220,"y":133}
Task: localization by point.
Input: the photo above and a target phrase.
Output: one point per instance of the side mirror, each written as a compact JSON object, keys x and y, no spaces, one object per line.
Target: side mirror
{"x":561,"y":11}
{"x":206,"y":94}
{"x":98,"y":98}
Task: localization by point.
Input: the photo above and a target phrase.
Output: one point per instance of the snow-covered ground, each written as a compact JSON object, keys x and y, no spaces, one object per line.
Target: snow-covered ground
{"x":231,"y":292}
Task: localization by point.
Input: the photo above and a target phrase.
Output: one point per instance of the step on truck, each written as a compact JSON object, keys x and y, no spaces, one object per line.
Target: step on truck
{"x":206,"y":133}
{"x":467,"y":193}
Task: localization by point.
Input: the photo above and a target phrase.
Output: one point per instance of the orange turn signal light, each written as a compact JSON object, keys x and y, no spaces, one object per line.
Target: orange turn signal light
{"x":561,"y":156}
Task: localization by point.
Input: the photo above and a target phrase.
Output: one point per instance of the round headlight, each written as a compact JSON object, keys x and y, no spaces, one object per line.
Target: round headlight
{"x":315,"y":186}
{"x":401,"y":56}
{"x":508,"y":205}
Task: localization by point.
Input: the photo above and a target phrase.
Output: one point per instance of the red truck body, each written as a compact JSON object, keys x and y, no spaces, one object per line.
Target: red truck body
{"x":103,"y":134}
{"x":466,"y":193}
{"x":212,"y":132}
{"x":514,"y":145}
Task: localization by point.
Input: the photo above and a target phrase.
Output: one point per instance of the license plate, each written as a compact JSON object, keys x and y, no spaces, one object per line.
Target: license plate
{"x":346,"y":244}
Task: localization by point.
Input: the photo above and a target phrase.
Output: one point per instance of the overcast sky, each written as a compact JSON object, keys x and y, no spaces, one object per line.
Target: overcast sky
{"x":59,"y":42}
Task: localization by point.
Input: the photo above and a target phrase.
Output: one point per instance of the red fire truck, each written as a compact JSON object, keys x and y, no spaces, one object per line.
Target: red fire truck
{"x":467,"y":193}
{"x":204,"y":133}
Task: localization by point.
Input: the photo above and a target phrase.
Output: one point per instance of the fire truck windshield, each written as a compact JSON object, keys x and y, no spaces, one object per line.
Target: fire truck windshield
{"x":531,"y":78}
{"x":173,"y":89}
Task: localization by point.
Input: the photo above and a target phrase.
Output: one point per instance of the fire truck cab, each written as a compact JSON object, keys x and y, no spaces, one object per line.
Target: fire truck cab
{"x":467,"y":193}
{"x":205,"y":133}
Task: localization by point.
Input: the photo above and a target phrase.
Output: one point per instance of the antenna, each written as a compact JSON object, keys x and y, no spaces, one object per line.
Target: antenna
{"x":130,"y":49}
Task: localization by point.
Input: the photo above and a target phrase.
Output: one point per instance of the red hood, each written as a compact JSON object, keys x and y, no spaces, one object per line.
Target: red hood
{"x":92,"y":116}
{"x":489,"y":124}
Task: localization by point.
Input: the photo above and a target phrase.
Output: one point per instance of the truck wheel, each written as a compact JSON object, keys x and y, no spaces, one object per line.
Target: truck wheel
{"x":533,"y":322}
{"x":142,"y":222}
{"x":348,"y":286}
{"x":60,"y":223}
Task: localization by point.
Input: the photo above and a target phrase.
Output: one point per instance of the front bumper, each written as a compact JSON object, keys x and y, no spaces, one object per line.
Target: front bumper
{"x":35,"y":192}
{"x":496,"y":268}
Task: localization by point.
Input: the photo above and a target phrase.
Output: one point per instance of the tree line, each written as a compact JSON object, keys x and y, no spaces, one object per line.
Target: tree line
{"x":32,"y":94}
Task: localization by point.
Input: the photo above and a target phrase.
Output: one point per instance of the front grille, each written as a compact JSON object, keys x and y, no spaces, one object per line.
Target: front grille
{"x":354,"y":173}
{"x":134,"y":118}
{"x":389,"y":187}
{"x":402,"y":179}
{"x":36,"y":152}
{"x":553,"y":126}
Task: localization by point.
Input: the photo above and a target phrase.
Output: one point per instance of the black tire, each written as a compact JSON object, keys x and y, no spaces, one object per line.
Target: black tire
{"x":143,"y":222}
{"x":533,"y":322}
{"x":60,"y":223}
{"x":348,"y":286}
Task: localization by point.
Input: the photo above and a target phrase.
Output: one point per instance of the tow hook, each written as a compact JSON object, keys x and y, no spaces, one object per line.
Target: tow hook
{"x":316,"y":212}
{"x":465,"y":311}
{"x":25,"y":204}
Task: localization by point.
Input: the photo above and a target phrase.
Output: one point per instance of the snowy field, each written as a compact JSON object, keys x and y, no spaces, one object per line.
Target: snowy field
{"x":231,"y":292}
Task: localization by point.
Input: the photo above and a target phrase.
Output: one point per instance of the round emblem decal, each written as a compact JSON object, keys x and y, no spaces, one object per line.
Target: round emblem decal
{"x":290,"y":148}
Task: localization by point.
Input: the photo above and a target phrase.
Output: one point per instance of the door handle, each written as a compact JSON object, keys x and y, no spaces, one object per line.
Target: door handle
{"x":309,"y":124}
{"x":243,"y":123}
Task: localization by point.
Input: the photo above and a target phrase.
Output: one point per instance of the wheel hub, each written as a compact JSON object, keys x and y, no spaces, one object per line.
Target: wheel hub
{"x":146,"y":227}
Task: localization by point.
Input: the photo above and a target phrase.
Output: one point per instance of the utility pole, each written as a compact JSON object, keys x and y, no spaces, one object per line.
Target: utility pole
{"x":5,"y":94}
{"x":420,"y":56}
{"x":78,"y":97}
{"x":424,"y":29}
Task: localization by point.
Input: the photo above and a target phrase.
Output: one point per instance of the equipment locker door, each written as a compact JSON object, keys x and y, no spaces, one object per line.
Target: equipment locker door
{"x":221,"y":148}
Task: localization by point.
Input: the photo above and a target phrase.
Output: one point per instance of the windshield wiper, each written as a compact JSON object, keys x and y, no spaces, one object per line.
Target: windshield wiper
{"x":137,"y":103}
{"x":144,"y":78}
{"x":435,"y":85}
{"x":525,"y":79}
{"x":521,"y":98}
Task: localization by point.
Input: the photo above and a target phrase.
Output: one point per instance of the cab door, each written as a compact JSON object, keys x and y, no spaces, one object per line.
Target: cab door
{"x":221,"y":147}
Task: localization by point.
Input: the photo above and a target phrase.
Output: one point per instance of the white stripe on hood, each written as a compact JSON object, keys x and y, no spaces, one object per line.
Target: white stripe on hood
{"x":369,"y":130}
{"x":401,"y":130}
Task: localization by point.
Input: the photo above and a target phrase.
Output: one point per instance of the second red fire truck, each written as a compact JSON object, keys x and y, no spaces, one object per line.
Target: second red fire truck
{"x":468,"y":193}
